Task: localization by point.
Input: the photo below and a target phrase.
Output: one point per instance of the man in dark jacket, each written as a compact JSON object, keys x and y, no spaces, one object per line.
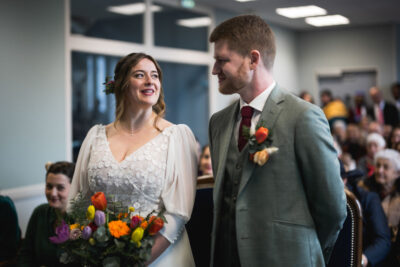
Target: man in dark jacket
{"x":383,"y":112}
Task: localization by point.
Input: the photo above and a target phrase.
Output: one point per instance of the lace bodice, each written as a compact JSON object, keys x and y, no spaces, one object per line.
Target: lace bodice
{"x":136,"y":181}
{"x":161,"y":173}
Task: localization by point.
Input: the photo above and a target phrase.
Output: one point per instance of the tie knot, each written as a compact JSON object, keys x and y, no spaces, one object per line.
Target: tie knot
{"x":247,"y":112}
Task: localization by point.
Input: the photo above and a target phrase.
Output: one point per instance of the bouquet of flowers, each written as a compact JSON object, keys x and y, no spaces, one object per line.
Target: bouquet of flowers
{"x":106,"y":234}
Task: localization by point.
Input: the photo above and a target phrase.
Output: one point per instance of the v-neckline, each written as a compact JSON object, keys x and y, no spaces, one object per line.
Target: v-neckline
{"x":133,"y":152}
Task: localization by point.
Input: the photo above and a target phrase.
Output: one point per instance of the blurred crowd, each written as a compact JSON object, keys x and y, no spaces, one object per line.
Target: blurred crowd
{"x":367,"y":139}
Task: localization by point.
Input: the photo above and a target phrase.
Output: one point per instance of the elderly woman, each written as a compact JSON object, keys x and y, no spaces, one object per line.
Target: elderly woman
{"x":386,"y":183}
{"x":375,"y":142}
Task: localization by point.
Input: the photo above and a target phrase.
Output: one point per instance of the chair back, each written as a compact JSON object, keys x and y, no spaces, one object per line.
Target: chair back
{"x":347,"y":251}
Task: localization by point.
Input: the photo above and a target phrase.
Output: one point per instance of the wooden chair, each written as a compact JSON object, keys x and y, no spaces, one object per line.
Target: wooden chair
{"x":200,"y":225}
{"x":347,"y":251}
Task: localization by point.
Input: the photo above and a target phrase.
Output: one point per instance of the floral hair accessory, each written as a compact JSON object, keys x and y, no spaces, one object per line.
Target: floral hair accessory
{"x":110,"y":86}
{"x":259,"y":143}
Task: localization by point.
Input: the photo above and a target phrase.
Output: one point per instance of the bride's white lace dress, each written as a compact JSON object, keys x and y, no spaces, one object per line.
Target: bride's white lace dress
{"x":160,"y":173}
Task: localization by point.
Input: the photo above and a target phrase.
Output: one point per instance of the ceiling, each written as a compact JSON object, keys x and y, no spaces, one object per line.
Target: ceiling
{"x":359,"y":12}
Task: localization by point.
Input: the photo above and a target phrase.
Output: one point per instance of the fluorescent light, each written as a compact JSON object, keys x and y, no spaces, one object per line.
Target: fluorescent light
{"x":188,"y":3}
{"x":327,"y":20}
{"x":132,"y":9}
{"x":244,"y":0}
{"x":301,"y":11}
{"x":195,"y":22}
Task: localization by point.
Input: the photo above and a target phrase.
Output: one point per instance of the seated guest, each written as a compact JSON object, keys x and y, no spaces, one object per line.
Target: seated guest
{"x":360,"y":109}
{"x":354,"y":144}
{"x":375,"y":127}
{"x":339,"y":132}
{"x":36,"y":249}
{"x":334,"y":109}
{"x":375,"y":143}
{"x":382,"y":111}
{"x":386,"y":183}
{"x":10,"y":233}
{"x":376,"y":233}
{"x":205,"y":167}
{"x":395,"y":88}
{"x":306,"y":96}
{"x":395,"y":137}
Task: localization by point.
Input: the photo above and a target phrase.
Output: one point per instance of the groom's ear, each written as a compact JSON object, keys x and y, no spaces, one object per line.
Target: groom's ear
{"x":255,"y":58}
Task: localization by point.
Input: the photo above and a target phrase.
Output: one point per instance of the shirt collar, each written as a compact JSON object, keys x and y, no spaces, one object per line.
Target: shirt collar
{"x":259,"y":102}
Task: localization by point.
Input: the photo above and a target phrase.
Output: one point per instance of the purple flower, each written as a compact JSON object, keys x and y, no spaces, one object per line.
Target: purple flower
{"x":62,"y":234}
{"x":99,"y":218}
{"x":87,"y":232}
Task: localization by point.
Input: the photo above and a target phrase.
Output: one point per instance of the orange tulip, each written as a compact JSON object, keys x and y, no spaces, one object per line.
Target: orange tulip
{"x":99,"y":201}
{"x":144,"y":224}
{"x":156,"y":223}
{"x":261,"y":134}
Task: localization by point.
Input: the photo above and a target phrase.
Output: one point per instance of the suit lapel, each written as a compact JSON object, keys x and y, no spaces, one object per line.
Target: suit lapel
{"x":225,"y":138}
{"x":269,"y":115}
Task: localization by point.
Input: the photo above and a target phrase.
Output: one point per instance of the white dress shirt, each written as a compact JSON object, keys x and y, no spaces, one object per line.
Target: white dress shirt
{"x":257,"y":104}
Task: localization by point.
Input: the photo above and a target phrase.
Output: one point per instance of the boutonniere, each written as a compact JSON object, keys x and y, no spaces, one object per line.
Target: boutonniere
{"x":260,"y":141}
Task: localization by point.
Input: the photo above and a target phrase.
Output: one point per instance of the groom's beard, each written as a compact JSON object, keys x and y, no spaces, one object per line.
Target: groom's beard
{"x":235,"y":82}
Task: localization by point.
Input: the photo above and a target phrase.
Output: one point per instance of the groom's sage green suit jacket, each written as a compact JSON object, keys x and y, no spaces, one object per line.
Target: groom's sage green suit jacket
{"x":290,"y":210}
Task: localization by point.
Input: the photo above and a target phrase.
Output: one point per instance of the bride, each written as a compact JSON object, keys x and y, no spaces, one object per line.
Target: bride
{"x":142,"y":159}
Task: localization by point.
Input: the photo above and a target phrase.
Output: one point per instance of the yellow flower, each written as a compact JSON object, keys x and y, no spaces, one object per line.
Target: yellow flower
{"x":90,"y":212}
{"x":261,"y":157}
{"x":131,"y":209}
{"x":73,"y":226}
{"x":92,"y":241}
{"x":118,"y":228}
{"x":137,"y":235}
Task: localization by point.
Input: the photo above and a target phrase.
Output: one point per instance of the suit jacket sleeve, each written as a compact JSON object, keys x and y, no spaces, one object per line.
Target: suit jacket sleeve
{"x":320,"y":172}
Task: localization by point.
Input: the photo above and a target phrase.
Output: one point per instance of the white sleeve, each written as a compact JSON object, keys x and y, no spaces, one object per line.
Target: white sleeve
{"x":181,"y":178}
{"x":80,"y":183}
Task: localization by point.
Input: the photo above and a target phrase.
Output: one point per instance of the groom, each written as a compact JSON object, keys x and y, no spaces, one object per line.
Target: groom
{"x":288,"y":211}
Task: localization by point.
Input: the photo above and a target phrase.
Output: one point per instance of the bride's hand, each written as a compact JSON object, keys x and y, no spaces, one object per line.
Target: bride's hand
{"x":160,"y":245}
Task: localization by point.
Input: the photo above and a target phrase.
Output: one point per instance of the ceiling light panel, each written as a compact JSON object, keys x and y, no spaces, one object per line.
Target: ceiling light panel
{"x":132,"y":9}
{"x":301,"y":11}
{"x":327,"y":20}
{"x":194,"y":22}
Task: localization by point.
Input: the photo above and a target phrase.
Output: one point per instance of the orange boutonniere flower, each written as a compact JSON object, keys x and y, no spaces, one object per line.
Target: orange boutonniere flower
{"x":261,"y":134}
{"x":118,"y":228}
{"x":260,"y":142}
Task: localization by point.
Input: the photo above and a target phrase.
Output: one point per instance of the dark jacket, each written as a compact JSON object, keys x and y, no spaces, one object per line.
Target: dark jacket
{"x":10,"y":234}
{"x":390,"y":114}
{"x":37,"y":250}
{"x":376,"y":233}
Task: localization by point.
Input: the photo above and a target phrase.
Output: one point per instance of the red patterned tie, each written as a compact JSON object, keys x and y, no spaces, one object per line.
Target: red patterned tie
{"x":247,"y":113}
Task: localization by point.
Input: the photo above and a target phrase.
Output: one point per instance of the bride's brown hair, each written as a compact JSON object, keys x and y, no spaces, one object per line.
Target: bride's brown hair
{"x":121,"y":78}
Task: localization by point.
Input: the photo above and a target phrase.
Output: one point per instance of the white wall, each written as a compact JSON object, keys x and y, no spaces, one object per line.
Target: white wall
{"x":286,"y":61}
{"x":285,"y":67}
{"x":356,"y":48}
{"x":32,"y":102}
